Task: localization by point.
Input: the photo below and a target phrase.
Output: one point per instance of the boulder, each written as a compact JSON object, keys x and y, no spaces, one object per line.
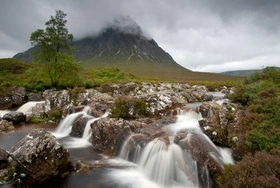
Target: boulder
{"x":4,"y":155}
{"x":204,"y":152}
{"x":41,"y":156}
{"x":99,"y":108}
{"x":6,"y":126}
{"x":15,"y":117}
{"x":5,"y":103}
{"x":79,"y":126}
{"x":109,"y":134}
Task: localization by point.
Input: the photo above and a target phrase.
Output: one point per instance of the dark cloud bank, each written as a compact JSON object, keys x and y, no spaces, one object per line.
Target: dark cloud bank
{"x":201,"y":35}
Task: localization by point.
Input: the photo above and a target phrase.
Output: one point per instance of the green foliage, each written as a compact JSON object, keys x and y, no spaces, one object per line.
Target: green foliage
{"x":54,"y":50}
{"x":260,"y":129}
{"x":125,"y":107}
{"x":54,"y":114}
{"x":260,"y":170}
{"x":73,"y":93}
{"x":38,"y":119}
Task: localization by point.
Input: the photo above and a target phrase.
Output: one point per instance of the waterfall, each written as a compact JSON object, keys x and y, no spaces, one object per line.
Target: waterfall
{"x":28,"y":106}
{"x":65,"y":126}
{"x":163,"y":163}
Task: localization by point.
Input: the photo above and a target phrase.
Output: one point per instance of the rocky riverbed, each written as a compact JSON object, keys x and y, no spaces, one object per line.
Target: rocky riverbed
{"x":165,"y":103}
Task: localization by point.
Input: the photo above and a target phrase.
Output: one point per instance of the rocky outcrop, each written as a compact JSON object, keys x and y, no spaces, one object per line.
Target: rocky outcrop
{"x":15,"y":117}
{"x":204,"y":153}
{"x":41,"y":156}
{"x":220,"y":121}
{"x":79,"y":126}
{"x":109,"y":135}
{"x":15,"y":96}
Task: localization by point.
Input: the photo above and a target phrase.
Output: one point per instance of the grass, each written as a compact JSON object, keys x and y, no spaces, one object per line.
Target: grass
{"x":34,"y":76}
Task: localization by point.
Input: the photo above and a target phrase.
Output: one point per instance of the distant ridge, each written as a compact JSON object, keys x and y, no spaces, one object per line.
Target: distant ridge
{"x":243,"y":73}
{"x":123,"y":45}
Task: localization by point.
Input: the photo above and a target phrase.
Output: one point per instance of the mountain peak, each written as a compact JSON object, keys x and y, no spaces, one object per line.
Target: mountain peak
{"x":126,"y":25}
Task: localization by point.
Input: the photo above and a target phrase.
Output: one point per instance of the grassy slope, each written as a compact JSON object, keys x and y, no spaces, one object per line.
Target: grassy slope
{"x":158,"y":71}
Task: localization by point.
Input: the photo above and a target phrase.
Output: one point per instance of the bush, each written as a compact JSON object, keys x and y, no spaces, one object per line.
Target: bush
{"x":125,"y":107}
{"x":260,"y":170}
{"x":54,"y":114}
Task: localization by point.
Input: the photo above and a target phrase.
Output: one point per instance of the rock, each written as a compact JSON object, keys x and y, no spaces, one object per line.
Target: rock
{"x":35,"y":97}
{"x":6,"y":126}
{"x":83,"y":167}
{"x":41,"y":156}
{"x":5,"y":103}
{"x":74,"y":109}
{"x":205,"y":110}
{"x":204,"y":152}
{"x":15,"y":117}
{"x":18,"y":95}
{"x":98,"y":109}
{"x":14,"y":96}
{"x":79,"y":126}
{"x":4,"y":155}
{"x":109,"y":135}
{"x":57,"y":99}
{"x":133,"y":146}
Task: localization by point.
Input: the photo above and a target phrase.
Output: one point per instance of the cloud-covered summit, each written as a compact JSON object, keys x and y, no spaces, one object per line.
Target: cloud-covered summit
{"x":202,"y":35}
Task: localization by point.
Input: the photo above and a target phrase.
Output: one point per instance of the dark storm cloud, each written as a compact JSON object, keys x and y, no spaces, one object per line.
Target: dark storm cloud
{"x":203,"y":35}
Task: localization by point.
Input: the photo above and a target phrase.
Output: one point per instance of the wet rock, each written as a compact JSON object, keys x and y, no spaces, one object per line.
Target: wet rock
{"x":15,"y":117}
{"x":83,"y":167}
{"x":79,"y":126}
{"x":98,"y":109}
{"x":205,"y":110}
{"x":6,"y":126}
{"x":109,"y":135}
{"x":133,"y":146}
{"x":4,"y":155}
{"x":74,"y":109}
{"x":202,"y":151}
{"x":41,"y":156}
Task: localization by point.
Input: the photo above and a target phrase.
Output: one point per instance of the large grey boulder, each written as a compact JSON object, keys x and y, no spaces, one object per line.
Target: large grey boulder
{"x":41,"y":156}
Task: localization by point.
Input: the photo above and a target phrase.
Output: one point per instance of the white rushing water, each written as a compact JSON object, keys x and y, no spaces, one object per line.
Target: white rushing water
{"x":65,"y":126}
{"x":28,"y":106}
{"x":167,"y":165}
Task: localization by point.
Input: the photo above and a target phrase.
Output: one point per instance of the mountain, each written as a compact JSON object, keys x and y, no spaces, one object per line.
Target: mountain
{"x":243,"y":73}
{"x":123,"y":45}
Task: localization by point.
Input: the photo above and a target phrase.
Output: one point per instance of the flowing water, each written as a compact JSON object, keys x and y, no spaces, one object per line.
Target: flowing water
{"x":157,"y":164}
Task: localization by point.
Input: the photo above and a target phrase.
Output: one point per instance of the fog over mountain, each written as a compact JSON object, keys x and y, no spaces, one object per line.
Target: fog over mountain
{"x":201,"y":35}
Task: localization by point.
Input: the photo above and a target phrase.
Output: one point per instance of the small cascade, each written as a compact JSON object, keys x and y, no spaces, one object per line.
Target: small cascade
{"x":163,"y":163}
{"x":87,"y":131}
{"x":28,"y":106}
{"x":168,"y":165}
{"x":65,"y":126}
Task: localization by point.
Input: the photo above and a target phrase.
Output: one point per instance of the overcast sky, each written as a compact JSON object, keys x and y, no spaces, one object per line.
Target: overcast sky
{"x":201,"y":35}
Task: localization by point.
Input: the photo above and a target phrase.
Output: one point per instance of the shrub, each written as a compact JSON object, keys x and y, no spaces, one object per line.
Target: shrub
{"x":54,"y":114}
{"x":73,"y":93}
{"x":125,"y":107}
{"x":260,"y":170}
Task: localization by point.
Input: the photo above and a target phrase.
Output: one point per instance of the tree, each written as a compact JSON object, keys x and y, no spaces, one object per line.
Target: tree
{"x":54,"y":50}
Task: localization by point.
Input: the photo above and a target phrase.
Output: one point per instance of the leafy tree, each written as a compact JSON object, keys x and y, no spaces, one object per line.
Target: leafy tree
{"x":54,"y":49}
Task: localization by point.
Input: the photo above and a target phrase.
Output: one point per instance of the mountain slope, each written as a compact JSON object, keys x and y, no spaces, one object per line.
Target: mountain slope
{"x":123,"y":45}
